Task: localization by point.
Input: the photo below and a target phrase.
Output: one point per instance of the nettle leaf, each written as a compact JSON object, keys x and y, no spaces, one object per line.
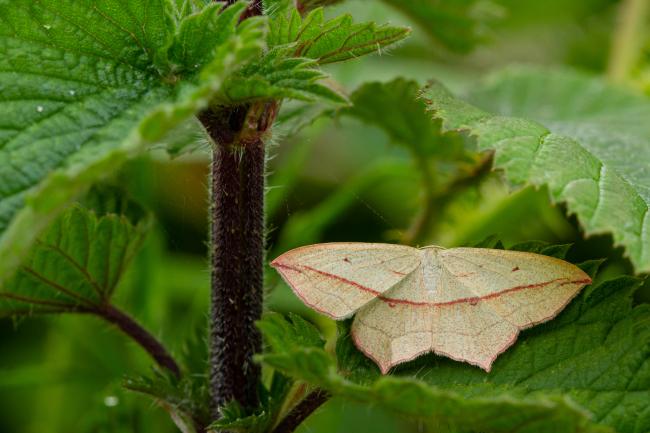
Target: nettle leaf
{"x":590,"y":146}
{"x":295,"y":117}
{"x":87,"y":85}
{"x":186,"y":399}
{"x":331,"y":41}
{"x":179,"y":397}
{"x":394,"y":107}
{"x":588,"y":370}
{"x":182,"y":8}
{"x":276,"y":8}
{"x":235,"y":418}
{"x":290,"y":68}
{"x":289,"y":333}
{"x":199,"y":34}
{"x":307,"y":5}
{"x":78,"y":262}
{"x":277,"y":75}
{"x":458,"y":25}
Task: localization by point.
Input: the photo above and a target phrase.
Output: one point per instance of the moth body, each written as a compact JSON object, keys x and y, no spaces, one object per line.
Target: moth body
{"x":431,"y":271}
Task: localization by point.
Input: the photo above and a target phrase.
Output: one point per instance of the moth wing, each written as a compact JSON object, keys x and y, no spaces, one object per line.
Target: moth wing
{"x":393,"y":334}
{"x":394,"y":329}
{"x":485,"y":298}
{"x":523,"y":288}
{"x":337,"y":279}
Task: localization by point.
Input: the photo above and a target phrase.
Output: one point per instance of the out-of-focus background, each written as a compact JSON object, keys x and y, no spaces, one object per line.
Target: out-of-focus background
{"x":338,"y":179}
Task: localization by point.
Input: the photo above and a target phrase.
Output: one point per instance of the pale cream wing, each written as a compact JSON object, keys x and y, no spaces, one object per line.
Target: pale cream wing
{"x":337,"y":279}
{"x":474,"y":309}
{"x":523,"y":288}
{"x":398,"y":326}
{"x":391,"y":334}
{"x":392,"y":328}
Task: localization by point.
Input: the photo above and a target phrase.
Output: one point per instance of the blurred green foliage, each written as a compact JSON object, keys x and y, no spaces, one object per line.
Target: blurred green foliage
{"x":340,"y":178}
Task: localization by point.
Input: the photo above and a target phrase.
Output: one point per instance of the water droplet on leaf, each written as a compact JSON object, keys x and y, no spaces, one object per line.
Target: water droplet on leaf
{"x":111,"y":401}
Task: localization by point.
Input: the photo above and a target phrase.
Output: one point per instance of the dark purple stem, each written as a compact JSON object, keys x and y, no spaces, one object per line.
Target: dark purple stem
{"x":134,"y":330}
{"x":302,"y":411}
{"x":237,"y":249}
{"x":236,"y":244}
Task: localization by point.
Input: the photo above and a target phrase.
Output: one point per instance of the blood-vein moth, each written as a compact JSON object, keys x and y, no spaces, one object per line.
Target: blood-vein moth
{"x":468,"y":304}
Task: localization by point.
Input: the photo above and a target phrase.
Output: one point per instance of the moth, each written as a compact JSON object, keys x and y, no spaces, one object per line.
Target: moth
{"x":468,"y":304}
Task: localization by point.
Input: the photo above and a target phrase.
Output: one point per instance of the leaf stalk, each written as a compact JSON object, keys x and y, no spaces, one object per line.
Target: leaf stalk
{"x":302,"y":411}
{"x":627,"y":41}
{"x":133,"y":329}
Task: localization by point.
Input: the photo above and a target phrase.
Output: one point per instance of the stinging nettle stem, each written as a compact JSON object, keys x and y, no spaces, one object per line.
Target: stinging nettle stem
{"x":236,"y":249}
{"x":236,"y":244}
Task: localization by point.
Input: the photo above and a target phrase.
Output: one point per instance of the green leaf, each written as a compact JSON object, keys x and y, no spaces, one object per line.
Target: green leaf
{"x":182,"y":8}
{"x":331,"y":41}
{"x":293,"y":118}
{"x":587,"y":370}
{"x":85,"y":86}
{"x":235,"y":418}
{"x":447,"y":410}
{"x":456,"y":24}
{"x":590,"y":147}
{"x":307,"y":5}
{"x":199,"y":35}
{"x":187,"y":399}
{"x":78,"y":262}
{"x":276,"y":8}
{"x":395,"y":108}
{"x":290,"y":333}
{"x":276,"y":76}
{"x":540,"y":247}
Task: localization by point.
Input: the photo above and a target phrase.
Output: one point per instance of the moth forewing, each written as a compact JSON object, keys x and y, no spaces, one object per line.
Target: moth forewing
{"x":337,"y":279}
{"x":524,"y":288}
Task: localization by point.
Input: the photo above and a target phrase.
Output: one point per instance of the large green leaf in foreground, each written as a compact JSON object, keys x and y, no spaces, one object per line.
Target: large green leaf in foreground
{"x":586,"y":371}
{"x":85,"y":84}
{"x":587,"y":141}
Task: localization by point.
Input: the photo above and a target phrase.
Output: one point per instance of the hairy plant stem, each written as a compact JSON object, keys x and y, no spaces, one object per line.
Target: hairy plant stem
{"x":237,"y":248}
{"x":236,"y":244}
{"x":302,"y":411}
{"x":140,"y":335}
{"x":627,"y":41}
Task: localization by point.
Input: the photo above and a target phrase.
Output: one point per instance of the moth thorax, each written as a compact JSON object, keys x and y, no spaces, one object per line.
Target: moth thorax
{"x":431,"y":271}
